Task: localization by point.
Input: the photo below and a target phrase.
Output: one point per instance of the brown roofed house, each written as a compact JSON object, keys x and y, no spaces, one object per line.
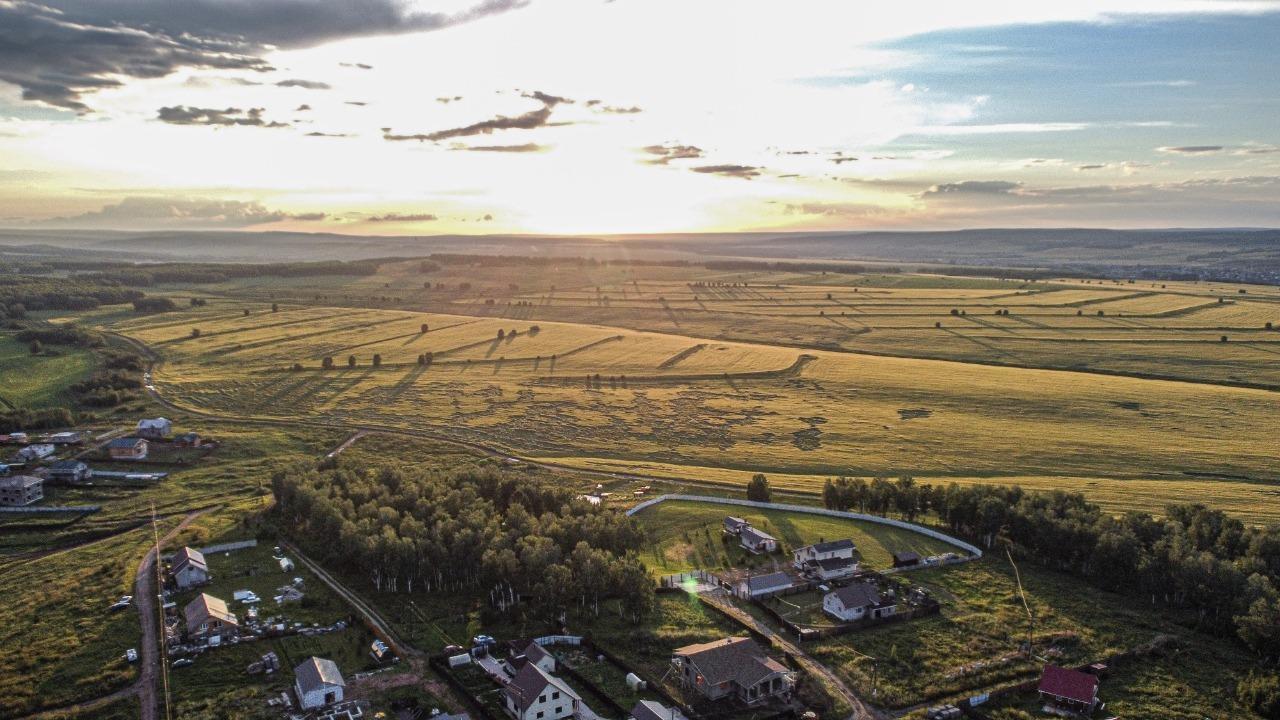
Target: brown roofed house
{"x":733,"y":667}
{"x":208,"y":618}
{"x":1070,"y":689}
{"x":188,"y":568}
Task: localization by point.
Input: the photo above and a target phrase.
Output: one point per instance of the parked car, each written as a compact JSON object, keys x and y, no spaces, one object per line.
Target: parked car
{"x":183,"y":662}
{"x":484,"y":640}
{"x":131,"y":655}
{"x":118,"y":605}
{"x":453,"y":649}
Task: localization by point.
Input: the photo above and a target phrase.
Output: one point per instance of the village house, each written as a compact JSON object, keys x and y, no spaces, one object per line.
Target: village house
{"x":131,"y":448}
{"x":208,"y":618}
{"x":188,"y":568}
{"x":70,"y":471}
{"x":857,"y":601}
{"x":70,"y":437}
{"x":20,"y":490}
{"x":35,"y":453}
{"x":833,"y":569}
{"x":534,"y":694}
{"x":1069,"y":689}
{"x":762,"y":586}
{"x":654,"y":710}
{"x":154,"y":428}
{"x":906,"y":559}
{"x":757,"y":541}
{"x":734,"y":525}
{"x":528,"y":651}
{"x":317,"y":683}
{"x":734,"y":667}
{"x":833,"y":550}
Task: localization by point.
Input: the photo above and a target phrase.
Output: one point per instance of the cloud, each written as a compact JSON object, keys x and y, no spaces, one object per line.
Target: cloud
{"x":525,"y":148}
{"x":358,"y":66}
{"x":317,"y":133}
{"x":616,"y":110}
{"x":143,"y":212}
{"x":56,"y":60}
{"x":973,"y":187}
{"x":305,"y":84}
{"x":183,"y":115}
{"x":839,"y":159}
{"x":403,"y":217}
{"x":999,"y":128}
{"x":59,"y":51}
{"x":447,"y":100}
{"x":525,"y":121}
{"x":357,"y":103}
{"x":1191,"y":149}
{"x":746,"y":172}
{"x":1155,"y":83}
{"x":667,"y":153}
{"x":1256,"y":149}
{"x":302,"y":108}
{"x":1091,"y":166}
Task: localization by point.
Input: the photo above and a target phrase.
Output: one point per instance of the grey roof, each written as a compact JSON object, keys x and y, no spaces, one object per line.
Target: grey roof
{"x":735,"y":659}
{"x":125,"y":442}
{"x":530,"y":681}
{"x":861,"y":594}
{"x":833,"y":545}
{"x":758,"y":534}
{"x":765,"y":582}
{"x":189,"y":556}
{"x":836,"y":563}
{"x":67,"y":465}
{"x":906,"y":556}
{"x":20,"y":481}
{"x":316,"y":672}
{"x":654,"y":710}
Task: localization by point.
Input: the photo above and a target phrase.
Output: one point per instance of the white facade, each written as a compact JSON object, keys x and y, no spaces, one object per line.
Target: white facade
{"x":189,"y":576}
{"x":319,"y":696}
{"x":840,"y":550}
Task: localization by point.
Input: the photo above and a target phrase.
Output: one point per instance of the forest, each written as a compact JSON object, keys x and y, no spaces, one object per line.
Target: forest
{"x":1192,"y":559}
{"x":522,"y":542}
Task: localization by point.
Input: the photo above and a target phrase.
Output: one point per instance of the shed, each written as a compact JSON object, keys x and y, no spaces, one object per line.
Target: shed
{"x":906,"y":559}
{"x":317,"y":683}
{"x":154,"y":428}
{"x":130,"y":448}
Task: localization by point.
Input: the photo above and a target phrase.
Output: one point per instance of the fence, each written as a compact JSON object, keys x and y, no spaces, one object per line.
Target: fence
{"x":443,"y":670}
{"x":804,"y":633}
{"x":654,"y":687}
{"x":227,"y":547}
{"x":51,"y":510}
{"x":928,"y":532}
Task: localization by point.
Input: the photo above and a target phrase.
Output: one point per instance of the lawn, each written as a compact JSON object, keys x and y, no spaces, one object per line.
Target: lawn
{"x":687,"y":535}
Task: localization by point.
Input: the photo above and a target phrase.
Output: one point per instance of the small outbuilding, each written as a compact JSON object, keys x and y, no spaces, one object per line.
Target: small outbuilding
{"x":757,"y":541}
{"x":317,"y":682}
{"x":70,"y":471}
{"x":654,"y":710}
{"x":906,"y":559}
{"x":734,"y":525}
{"x":1070,"y":689}
{"x":763,"y":586}
{"x":36,"y":453}
{"x":188,"y":568}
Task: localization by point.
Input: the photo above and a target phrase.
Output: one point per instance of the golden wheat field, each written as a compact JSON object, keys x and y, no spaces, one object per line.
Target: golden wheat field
{"x":697,"y":406}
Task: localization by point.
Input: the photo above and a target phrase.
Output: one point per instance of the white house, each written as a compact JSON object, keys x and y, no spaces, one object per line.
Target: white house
{"x":757,"y":541}
{"x":763,"y":585}
{"x":522,"y":651}
{"x":189,"y":568}
{"x":833,"y":569}
{"x":654,"y":710}
{"x":733,"y":525}
{"x":318,"y":683}
{"x":857,"y":601}
{"x":835,"y":549}
{"x":154,"y":428}
{"x":32,"y":453}
{"x":534,"y":694}
{"x":20,"y":490}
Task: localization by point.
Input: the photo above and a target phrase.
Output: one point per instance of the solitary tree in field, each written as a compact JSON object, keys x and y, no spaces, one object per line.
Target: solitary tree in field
{"x":424,"y":327}
{"x":246,"y":312}
{"x":275,"y":307}
{"x":351,"y":361}
{"x":501,"y":334}
{"x":297,"y":367}
{"x":35,"y":347}
{"x":377,"y":360}
{"x":422,"y":359}
{"x":195,"y":332}
{"x":758,"y":488}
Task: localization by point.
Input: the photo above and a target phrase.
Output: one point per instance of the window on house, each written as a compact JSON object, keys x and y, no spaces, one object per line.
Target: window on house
{"x":559,"y":709}
{"x":542,"y":698}
{"x":555,"y":695}
{"x":540,"y":713}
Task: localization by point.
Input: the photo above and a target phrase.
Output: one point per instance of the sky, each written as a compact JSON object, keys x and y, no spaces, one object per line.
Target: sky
{"x":637,"y":116}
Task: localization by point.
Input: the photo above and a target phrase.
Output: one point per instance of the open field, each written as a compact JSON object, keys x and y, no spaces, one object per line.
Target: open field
{"x":37,"y":381}
{"x":687,"y":536}
{"x":677,"y":400}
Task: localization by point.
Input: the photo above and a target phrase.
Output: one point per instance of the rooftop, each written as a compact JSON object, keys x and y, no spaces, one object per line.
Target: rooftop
{"x":1070,"y":684}
{"x":736,"y":659}
{"x":315,"y":673}
{"x":860,"y":594}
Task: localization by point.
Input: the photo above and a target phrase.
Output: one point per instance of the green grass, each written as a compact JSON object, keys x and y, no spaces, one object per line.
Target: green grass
{"x":35,"y":381}
{"x":983,"y":621}
{"x":686,"y":535}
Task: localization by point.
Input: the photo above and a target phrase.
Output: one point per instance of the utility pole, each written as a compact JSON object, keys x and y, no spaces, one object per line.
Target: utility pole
{"x":1031,"y":618}
{"x":164,"y":646}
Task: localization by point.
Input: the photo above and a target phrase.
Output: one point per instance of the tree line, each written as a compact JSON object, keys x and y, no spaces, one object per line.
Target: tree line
{"x":525,"y":543}
{"x":140,"y":275}
{"x":1192,"y":559}
{"x":20,"y":294}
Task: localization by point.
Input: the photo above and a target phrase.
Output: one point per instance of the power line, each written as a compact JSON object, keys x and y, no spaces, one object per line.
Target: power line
{"x":159,"y":599}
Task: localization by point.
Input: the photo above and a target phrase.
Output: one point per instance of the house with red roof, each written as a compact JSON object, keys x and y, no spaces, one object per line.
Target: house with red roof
{"x":1069,"y":689}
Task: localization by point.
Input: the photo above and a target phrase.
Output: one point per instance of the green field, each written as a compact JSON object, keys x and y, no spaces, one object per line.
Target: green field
{"x":34,"y":381}
{"x":687,"y":535}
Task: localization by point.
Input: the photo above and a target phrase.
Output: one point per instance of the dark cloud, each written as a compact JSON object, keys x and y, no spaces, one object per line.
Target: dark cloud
{"x":526,"y":121}
{"x":144,"y":212}
{"x":357,"y":103}
{"x":56,"y":60}
{"x":328,"y":135}
{"x":667,"y":153}
{"x":59,"y":51}
{"x":358,"y":66}
{"x":615,"y":110}
{"x":525,"y":148}
{"x":1191,"y":149}
{"x":746,"y":172}
{"x":305,"y":84}
{"x":302,"y":108}
{"x":183,"y":115}
{"x":447,"y":100}
{"x":843,"y":159}
{"x":973,"y":187}
{"x":1092,"y":166}
{"x":402,"y":217}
